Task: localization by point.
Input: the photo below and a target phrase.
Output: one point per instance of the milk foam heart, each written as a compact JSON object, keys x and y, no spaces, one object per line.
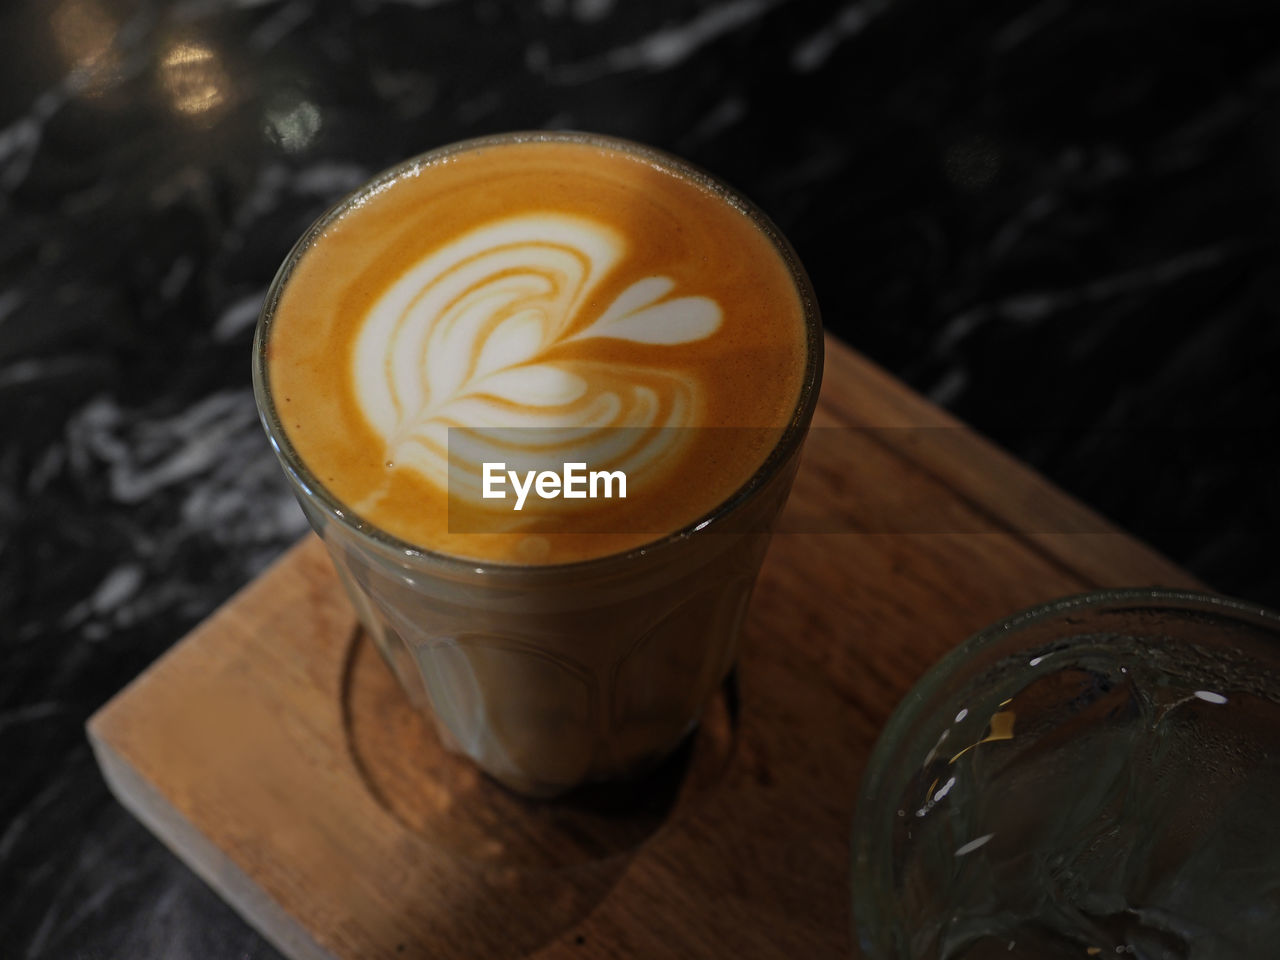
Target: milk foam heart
{"x":467,"y":337}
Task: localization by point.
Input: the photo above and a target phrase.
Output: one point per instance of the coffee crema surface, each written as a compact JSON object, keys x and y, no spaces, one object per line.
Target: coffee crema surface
{"x":533,"y":298}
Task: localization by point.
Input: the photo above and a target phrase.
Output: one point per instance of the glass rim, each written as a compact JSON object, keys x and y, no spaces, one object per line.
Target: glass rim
{"x":335,"y":509}
{"x":864,"y":843}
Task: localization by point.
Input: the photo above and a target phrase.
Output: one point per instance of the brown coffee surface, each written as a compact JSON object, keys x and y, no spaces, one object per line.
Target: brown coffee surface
{"x":537,"y":284}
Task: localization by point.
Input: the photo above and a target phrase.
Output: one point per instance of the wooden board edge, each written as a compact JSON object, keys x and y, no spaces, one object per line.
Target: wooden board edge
{"x":154,"y":811}
{"x":1075,"y":547}
{"x":98,"y":723}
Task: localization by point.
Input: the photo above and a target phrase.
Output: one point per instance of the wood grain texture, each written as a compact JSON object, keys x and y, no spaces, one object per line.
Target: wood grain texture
{"x":272,"y":751}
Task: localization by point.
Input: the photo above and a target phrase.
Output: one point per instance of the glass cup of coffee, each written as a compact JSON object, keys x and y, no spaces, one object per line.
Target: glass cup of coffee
{"x":544,"y":300}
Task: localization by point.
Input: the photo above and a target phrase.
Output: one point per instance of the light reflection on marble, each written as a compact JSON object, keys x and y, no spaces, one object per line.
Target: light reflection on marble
{"x":85,"y":34}
{"x":193,"y":77}
{"x":1057,"y":219}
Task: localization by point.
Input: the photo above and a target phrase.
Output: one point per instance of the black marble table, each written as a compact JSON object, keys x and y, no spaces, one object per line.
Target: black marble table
{"x":1058,"y":219}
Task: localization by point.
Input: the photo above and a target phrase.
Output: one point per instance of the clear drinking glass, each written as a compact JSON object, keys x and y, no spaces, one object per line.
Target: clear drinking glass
{"x":1095,"y":777}
{"x":551,"y":676}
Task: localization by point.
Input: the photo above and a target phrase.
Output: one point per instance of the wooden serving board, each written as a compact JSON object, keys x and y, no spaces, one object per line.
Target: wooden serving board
{"x":273,"y":752}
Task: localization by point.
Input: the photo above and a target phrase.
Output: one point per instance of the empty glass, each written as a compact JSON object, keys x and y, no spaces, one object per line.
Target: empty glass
{"x":1098,"y":776}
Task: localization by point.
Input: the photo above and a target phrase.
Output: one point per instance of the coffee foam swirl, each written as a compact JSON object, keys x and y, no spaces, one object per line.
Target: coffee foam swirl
{"x":464,"y":337}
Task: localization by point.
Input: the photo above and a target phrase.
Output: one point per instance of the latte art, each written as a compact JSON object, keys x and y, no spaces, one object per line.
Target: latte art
{"x":535,"y":304}
{"x":473,"y":336}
